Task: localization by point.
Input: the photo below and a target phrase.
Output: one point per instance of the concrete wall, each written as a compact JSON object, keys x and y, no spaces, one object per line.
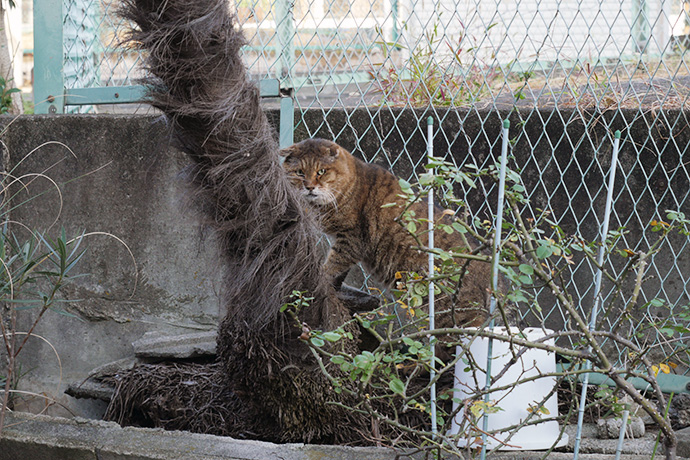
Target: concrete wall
{"x":121,"y":177}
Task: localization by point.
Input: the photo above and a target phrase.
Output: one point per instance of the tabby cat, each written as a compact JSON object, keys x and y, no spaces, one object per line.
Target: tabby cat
{"x":350,"y":195}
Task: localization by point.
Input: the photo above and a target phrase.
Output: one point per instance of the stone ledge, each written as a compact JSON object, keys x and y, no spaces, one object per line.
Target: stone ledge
{"x":35,"y":436}
{"x":29,"y":437}
{"x":154,"y":345}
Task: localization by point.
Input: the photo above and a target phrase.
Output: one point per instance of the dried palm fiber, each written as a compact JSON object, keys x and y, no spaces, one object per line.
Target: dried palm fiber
{"x":268,"y":238}
{"x":176,"y":396}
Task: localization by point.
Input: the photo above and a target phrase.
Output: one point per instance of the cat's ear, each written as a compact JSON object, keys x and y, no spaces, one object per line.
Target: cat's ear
{"x":334,"y":151}
{"x":286,"y":152}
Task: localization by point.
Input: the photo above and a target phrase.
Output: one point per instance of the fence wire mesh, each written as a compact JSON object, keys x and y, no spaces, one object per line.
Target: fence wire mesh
{"x":589,"y":62}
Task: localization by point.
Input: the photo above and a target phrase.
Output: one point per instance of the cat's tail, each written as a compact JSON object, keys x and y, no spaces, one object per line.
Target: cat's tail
{"x":196,"y":77}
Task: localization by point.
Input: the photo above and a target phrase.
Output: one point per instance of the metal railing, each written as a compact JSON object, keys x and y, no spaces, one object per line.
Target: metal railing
{"x":79,"y":64}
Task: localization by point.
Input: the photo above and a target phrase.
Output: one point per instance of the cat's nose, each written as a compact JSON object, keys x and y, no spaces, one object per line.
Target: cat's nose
{"x":309,"y":187}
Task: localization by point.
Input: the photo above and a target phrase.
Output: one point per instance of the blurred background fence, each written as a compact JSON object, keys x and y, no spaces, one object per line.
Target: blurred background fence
{"x":450,"y":52}
{"x":594,"y":63}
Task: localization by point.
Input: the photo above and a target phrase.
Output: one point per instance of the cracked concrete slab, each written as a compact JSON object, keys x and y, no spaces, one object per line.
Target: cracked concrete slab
{"x":155,"y":345}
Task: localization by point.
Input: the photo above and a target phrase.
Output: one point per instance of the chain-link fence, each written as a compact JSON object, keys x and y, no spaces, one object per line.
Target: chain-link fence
{"x":450,"y":53}
{"x":548,"y":64}
{"x":596,"y":64}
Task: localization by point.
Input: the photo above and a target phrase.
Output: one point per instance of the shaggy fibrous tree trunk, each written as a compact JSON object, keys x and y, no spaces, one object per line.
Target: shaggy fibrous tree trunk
{"x":268,"y":238}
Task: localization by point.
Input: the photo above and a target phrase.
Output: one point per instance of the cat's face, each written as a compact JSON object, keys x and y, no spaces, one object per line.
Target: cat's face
{"x":318,"y":168}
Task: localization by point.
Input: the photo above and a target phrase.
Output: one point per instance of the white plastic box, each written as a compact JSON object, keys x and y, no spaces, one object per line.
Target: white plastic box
{"x":515,"y":402}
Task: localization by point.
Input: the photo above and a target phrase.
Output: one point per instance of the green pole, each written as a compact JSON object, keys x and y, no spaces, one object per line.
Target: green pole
{"x":49,"y":85}
{"x":394,"y":18}
{"x":285,"y":31}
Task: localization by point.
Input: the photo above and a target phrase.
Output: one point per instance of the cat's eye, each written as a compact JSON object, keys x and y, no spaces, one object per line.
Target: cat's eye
{"x":299,"y":172}
{"x":322,"y":172}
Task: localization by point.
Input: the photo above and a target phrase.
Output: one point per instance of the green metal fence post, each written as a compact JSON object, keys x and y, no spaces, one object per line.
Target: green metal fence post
{"x":640,"y":26}
{"x":394,"y":18}
{"x":285,"y":31}
{"x":287,"y":121}
{"x":49,"y":86}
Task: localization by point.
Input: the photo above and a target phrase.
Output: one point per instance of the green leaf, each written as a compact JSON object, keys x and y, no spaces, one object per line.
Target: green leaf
{"x":526,"y":269}
{"x":525,"y":279}
{"x":544,"y":251}
{"x":420,"y":289}
{"x":317,"y":342}
{"x":518,"y":188}
{"x":415,"y":301}
{"x":466,"y":178}
{"x":397,"y":386}
{"x":332,"y":336}
{"x":426,"y":179}
{"x":404,"y":185}
{"x":459,"y":227}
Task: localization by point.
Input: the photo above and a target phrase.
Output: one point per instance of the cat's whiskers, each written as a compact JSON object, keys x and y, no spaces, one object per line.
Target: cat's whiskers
{"x":329,"y":198}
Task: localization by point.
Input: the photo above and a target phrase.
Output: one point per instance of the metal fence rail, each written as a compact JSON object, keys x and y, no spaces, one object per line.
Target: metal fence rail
{"x":627,"y":58}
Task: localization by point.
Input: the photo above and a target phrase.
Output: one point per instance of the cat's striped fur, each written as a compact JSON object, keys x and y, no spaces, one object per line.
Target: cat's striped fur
{"x":350,"y":195}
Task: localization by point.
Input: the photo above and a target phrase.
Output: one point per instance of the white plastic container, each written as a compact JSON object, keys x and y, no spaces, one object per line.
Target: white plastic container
{"x":515,"y":402}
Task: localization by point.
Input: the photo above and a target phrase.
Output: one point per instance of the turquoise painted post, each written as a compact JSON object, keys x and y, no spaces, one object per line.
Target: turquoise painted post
{"x":49,"y":85}
{"x":640,"y":27}
{"x":287,"y":121}
{"x":394,"y":18}
{"x":285,"y":32}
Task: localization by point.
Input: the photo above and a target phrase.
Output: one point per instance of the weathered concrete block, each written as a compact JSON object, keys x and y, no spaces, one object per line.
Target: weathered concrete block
{"x":683,"y":449}
{"x":155,"y":345}
{"x":679,"y":412}
{"x":610,"y":428}
{"x":29,"y":437}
